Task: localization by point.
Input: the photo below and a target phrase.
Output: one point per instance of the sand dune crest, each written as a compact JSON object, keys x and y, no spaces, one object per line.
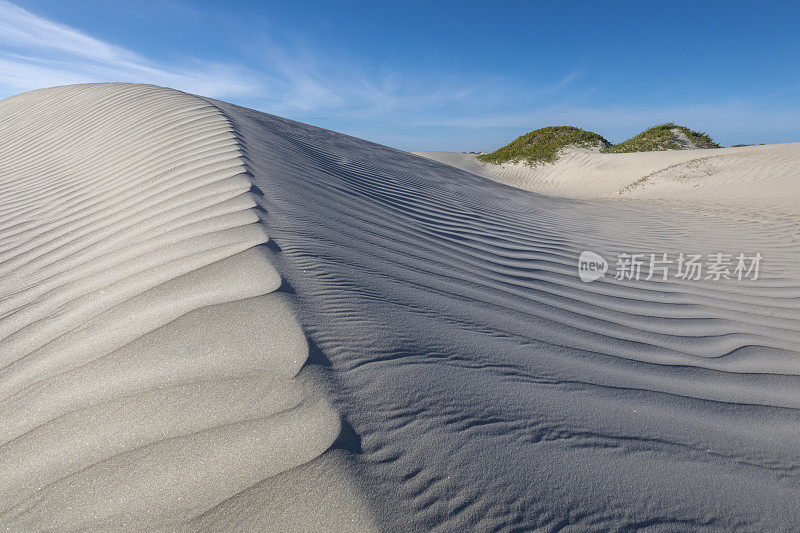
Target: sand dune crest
{"x":215,"y":318}
{"x":148,"y":369}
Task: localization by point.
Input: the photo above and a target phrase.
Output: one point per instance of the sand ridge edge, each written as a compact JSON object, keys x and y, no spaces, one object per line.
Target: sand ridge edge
{"x":151,"y":367}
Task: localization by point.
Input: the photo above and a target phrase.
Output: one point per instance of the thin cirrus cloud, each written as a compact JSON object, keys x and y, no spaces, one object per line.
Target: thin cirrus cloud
{"x":36,"y":52}
{"x":288,"y":77}
{"x":441,"y":109}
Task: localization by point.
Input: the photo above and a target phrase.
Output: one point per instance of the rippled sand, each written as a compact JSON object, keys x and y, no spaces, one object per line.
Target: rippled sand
{"x":215,"y":318}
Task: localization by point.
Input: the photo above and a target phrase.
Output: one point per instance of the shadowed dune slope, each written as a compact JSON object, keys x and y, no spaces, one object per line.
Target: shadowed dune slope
{"x":488,"y":387}
{"x":365,"y":335}
{"x":149,"y":370}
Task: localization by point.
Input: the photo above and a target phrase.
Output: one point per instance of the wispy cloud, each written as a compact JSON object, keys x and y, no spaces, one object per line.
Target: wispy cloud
{"x":310,"y":81}
{"x":36,"y":52}
{"x":283,"y":74}
{"x":286,"y":76}
{"x":279,"y":71}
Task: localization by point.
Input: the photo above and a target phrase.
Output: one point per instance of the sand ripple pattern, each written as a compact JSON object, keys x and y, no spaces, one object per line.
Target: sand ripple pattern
{"x":184,"y":283}
{"x":492,"y":390}
{"x":149,"y":366}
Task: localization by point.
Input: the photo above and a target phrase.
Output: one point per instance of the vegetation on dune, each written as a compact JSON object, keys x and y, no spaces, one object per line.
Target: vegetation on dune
{"x":543,"y":145}
{"x":664,"y":137}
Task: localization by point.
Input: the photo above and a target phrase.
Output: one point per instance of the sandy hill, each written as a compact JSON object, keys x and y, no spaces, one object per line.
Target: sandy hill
{"x":664,"y":137}
{"x":213,"y":318}
{"x":752,"y":177}
{"x":544,"y":145}
{"x":548,"y":144}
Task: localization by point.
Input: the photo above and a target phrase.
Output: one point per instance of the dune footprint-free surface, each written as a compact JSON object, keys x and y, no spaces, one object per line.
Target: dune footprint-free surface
{"x":151,"y":369}
{"x":215,"y":318}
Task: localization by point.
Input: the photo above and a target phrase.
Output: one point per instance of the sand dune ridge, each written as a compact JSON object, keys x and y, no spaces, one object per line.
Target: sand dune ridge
{"x":133,"y":278}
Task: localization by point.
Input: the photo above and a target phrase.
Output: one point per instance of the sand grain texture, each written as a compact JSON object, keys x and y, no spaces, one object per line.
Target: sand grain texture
{"x":368,"y":339}
{"x":150,"y":370}
{"x":766,"y":176}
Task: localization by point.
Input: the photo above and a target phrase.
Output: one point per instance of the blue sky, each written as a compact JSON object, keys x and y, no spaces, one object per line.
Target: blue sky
{"x":435,"y":75}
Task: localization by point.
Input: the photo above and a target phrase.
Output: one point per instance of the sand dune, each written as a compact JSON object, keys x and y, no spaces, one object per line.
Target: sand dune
{"x":759,"y":175}
{"x":368,"y":339}
{"x":150,"y":370}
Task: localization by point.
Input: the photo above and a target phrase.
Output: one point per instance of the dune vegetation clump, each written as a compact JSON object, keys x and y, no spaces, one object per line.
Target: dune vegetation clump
{"x":543,"y":145}
{"x":667,"y":136}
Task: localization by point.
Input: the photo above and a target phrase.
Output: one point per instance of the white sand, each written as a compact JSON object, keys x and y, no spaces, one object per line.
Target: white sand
{"x":150,"y":370}
{"x":412,"y":349}
{"x":767,"y":174}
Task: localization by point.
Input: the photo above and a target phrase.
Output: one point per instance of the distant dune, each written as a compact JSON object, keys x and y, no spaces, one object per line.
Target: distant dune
{"x":667,"y":136}
{"x":756,"y":176}
{"x":548,"y":144}
{"x":212,"y":318}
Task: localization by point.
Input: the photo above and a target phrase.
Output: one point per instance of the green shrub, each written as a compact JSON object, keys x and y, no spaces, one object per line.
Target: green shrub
{"x":543,"y":145}
{"x":662,"y":137}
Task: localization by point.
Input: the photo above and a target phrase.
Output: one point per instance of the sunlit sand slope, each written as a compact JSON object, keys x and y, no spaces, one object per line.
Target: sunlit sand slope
{"x":487,"y":387}
{"x":216,"y":319}
{"x":150,"y":372}
{"x":766,"y":176}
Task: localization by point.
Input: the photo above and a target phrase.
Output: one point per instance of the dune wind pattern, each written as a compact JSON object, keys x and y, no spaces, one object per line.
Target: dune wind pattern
{"x":150,"y":370}
{"x":745,"y":175}
{"x":215,"y":318}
